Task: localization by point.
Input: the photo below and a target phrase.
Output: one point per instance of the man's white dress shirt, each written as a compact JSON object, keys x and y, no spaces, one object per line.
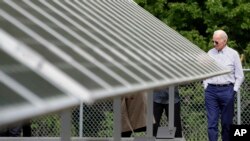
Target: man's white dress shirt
{"x":230,"y":59}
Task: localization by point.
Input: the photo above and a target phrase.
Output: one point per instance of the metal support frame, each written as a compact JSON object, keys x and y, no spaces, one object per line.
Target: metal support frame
{"x":81,"y":120}
{"x":117,"y":119}
{"x":150,"y":114}
{"x":65,"y":125}
{"x":238,"y":108}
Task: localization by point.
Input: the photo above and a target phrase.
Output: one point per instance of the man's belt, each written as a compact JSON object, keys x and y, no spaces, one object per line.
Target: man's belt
{"x":221,"y":85}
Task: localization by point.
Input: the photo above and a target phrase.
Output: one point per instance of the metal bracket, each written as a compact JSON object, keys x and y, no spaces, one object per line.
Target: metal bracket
{"x":166,"y":133}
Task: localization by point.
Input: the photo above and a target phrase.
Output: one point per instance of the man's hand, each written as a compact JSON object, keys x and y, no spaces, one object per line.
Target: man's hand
{"x":235,"y":92}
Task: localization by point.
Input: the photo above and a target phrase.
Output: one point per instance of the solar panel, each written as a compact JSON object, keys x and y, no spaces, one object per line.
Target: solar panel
{"x":92,"y":49}
{"x":25,"y":93}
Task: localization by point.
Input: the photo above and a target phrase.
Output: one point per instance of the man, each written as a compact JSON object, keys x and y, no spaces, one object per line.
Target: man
{"x":220,"y":90}
{"x":161,"y":103}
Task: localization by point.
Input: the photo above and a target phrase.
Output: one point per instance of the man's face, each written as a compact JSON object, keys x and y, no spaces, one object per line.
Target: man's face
{"x":218,"y":42}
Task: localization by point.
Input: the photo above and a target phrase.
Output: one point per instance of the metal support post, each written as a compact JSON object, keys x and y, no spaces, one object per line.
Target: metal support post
{"x":81,"y":120}
{"x":65,"y":125}
{"x":238,"y":108}
{"x":117,"y":118}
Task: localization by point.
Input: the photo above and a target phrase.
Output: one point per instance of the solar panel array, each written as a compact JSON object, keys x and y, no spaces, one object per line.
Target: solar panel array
{"x":89,"y":50}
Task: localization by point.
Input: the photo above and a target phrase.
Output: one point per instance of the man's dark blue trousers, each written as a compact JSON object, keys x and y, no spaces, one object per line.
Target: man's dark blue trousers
{"x":219,"y":102}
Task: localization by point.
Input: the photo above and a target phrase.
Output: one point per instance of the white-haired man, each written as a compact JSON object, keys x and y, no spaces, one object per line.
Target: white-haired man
{"x":220,"y":90}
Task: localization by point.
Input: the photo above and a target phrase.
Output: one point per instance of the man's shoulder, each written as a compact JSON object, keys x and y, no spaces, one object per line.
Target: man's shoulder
{"x":232,"y":51}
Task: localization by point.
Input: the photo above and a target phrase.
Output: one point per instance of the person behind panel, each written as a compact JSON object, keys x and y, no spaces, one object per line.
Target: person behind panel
{"x":161,"y":103}
{"x":134,"y":114}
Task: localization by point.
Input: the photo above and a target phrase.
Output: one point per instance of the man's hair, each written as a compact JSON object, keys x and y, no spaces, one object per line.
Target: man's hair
{"x":222,"y":33}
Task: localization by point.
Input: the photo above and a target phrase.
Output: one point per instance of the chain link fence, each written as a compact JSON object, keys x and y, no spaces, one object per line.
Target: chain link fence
{"x":97,"y":119}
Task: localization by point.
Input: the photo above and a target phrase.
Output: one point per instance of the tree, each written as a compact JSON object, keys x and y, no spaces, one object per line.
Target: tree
{"x":196,"y":20}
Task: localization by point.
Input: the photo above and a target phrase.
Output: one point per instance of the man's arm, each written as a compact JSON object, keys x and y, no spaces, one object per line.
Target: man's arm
{"x":239,"y":74}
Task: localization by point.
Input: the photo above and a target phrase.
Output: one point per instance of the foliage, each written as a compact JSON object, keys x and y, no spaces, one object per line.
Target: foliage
{"x":107,"y":124}
{"x":49,"y":125}
{"x":197,"y":20}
